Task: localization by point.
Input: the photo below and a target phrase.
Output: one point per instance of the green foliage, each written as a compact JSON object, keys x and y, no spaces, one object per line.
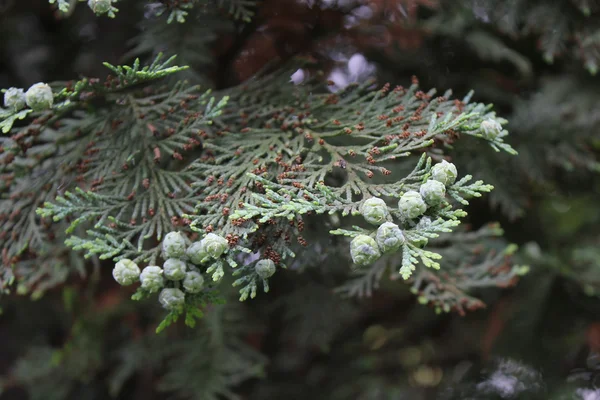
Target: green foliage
{"x":139,"y":202}
{"x":469,"y":260}
{"x":313,"y":316}
{"x":63,"y":5}
{"x":239,"y":9}
{"x":207,"y":364}
{"x":192,"y":309}
{"x":175,"y":11}
{"x":180,"y":10}
{"x":277,"y":175}
{"x":63,"y":145}
{"x":189,"y":40}
{"x":562,"y":27}
{"x":573,"y":152}
{"x":446,"y":219}
{"x":546,"y":151}
{"x":299,"y":153}
{"x":320,"y":157}
{"x":214,"y":356}
{"x":10,"y":117}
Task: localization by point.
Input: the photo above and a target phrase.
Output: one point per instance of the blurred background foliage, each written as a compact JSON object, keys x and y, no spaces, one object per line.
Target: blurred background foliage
{"x":535,"y":60}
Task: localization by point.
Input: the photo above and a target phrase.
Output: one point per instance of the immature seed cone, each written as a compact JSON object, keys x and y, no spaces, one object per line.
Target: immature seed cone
{"x":100,"y":7}
{"x":364,"y":250}
{"x":126,"y":272}
{"x":214,"y":245}
{"x":14,"y":99}
{"x":389,"y":237}
{"x":374,"y":210}
{"x":39,"y":97}
{"x":193,"y":282}
{"x":196,"y":253}
{"x":152,"y":278}
{"x":171,"y":298}
{"x":174,"y":245}
{"x":444,"y":172}
{"x":411,"y":205}
{"x":490,"y":128}
{"x":433,"y":192}
{"x":174,"y":269}
{"x":265,"y":268}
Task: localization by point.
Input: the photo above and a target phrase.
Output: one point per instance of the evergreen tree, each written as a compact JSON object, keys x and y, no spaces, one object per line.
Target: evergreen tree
{"x":226,"y":199}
